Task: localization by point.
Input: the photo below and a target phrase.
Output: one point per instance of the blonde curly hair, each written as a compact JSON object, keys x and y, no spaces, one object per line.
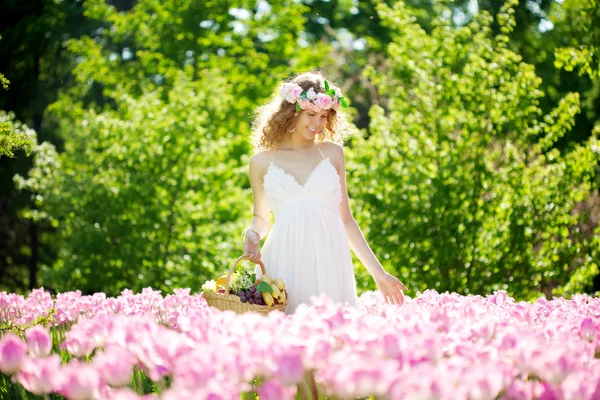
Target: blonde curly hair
{"x":276,"y":118}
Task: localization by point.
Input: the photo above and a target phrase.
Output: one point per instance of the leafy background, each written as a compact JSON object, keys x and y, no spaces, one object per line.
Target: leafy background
{"x":472,"y":164}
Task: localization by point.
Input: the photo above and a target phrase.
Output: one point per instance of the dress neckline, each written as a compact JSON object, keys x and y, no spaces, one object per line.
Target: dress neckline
{"x":293,"y":178}
{"x":302,"y":185}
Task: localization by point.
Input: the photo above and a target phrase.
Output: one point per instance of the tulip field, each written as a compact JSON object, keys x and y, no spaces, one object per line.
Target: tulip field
{"x":434,"y":346}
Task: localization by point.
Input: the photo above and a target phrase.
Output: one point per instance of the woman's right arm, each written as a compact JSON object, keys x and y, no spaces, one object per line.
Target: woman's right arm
{"x":261,"y":219}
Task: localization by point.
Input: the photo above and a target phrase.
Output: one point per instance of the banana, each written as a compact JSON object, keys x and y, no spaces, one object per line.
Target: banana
{"x":268,"y":298}
{"x":283,"y":297}
{"x":276,"y":292}
{"x":279,"y":283}
{"x":266,"y":278}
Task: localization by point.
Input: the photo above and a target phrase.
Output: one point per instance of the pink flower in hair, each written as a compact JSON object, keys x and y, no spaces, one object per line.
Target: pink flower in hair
{"x":324,"y":101}
{"x":296,"y":92}
{"x":311,"y":94}
{"x":305,"y":104}
{"x":335,"y":104}
{"x":290,"y":92}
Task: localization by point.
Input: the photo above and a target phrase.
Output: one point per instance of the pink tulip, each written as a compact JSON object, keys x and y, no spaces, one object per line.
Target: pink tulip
{"x":290,"y":370}
{"x":78,"y":345}
{"x":38,"y":375}
{"x":364,"y":383}
{"x":79,"y":381}
{"x":588,"y":330}
{"x":12,"y":353}
{"x":272,"y":390}
{"x":39,"y":342}
{"x":114,"y":365}
{"x":125,"y":394}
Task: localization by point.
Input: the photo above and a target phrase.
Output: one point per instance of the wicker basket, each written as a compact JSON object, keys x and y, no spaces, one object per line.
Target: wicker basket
{"x":227,"y":301}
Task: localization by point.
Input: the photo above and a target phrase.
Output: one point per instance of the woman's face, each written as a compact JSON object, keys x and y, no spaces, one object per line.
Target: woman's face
{"x":310,"y":123}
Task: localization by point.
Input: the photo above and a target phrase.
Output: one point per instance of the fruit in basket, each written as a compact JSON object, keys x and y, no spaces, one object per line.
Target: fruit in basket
{"x":222,"y":280}
{"x":276,"y":293}
{"x":266,"y":278}
{"x":277,"y":290}
{"x":279,"y":283}
{"x":268,"y":298}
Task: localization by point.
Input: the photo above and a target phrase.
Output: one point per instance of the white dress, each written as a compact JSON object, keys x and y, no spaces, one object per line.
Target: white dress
{"x":307,"y":245}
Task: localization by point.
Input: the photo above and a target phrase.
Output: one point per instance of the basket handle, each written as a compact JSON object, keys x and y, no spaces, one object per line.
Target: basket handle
{"x":262,"y":267}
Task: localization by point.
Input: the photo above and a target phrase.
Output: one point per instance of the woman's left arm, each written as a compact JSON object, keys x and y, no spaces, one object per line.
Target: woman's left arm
{"x":390,"y":287}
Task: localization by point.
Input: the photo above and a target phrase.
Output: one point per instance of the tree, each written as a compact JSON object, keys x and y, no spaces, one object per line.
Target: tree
{"x":460,"y":185}
{"x":152,"y":187}
{"x":11,"y":139}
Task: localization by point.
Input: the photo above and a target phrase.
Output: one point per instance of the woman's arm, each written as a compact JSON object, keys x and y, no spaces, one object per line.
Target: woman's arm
{"x":261,"y":220}
{"x":390,"y":287}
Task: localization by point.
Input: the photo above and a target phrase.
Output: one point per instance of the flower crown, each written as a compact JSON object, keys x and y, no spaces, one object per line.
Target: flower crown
{"x":309,"y":99}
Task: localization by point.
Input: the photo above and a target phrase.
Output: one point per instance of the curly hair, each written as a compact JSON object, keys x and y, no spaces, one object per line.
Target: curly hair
{"x":274,"y":119}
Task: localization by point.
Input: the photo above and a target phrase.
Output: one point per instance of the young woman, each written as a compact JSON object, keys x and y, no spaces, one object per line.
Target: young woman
{"x":299,"y":174}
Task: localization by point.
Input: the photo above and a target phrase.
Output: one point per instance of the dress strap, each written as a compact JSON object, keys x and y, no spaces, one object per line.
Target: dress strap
{"x":320,"y":150}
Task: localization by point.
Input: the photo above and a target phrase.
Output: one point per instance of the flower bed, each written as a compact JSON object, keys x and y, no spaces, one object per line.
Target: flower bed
{"x":439,"y":346}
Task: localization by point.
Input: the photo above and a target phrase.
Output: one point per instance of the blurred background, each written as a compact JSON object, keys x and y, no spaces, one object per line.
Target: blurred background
{"x":472,"y":161}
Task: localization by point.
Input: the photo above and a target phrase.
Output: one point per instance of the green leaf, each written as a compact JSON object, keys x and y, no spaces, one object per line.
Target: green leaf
{"x":264,"y":287}
{"x":326,"y":86}
{"x":298,"y":108}
{"x":253,"y":277}
{"x":344,"y":103}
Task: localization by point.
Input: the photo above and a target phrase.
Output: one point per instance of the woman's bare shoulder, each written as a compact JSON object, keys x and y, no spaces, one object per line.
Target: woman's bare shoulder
{"x":334,"y":151}
{"x":261,"y":160}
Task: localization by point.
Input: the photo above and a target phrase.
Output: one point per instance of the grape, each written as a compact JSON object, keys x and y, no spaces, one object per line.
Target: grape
{"x":253,"y":289}
{"x":243,"y":299}
{"x":251,"y":300}
{"x":257,"y":295}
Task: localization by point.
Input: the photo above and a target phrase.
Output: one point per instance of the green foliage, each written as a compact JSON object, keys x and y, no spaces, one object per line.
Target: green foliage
{"x":152,"y":188}
{"x":145,"y":194}
{"x":458,"y":183}
{"x":14,"y":136}
{"x":580,"y":19}
{"x":3,"y":81}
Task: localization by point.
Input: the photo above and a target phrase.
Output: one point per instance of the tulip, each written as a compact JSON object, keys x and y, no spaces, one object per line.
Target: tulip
{"x":587,"y":330}
{"x":290,"y":370}
{"x":12,"y":353}
{"x":38,"y":375}
{"x":115,"y":366}
{"x":39,"y":342}
{"x":79,"y":381}
{"x":276,"y":391}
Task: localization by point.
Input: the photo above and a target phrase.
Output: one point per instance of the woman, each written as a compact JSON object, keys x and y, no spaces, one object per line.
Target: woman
{"x":299,"y":174}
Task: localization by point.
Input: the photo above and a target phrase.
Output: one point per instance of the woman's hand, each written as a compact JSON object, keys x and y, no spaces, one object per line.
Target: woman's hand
{"x":252,"y":247}
{"x":391,"y":288}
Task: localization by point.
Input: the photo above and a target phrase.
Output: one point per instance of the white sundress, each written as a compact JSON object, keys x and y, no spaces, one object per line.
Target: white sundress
{"x":307,"y":245}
